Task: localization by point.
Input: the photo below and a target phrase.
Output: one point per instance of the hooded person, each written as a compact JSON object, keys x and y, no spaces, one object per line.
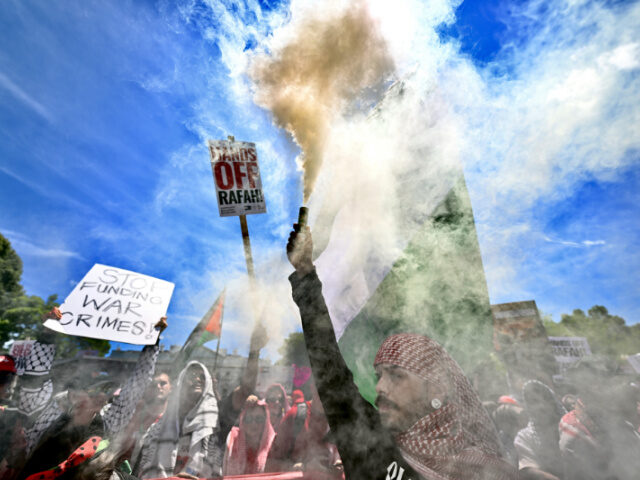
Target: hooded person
{"x":277,"y":402}
{"x":430,"y":423}
{"x":249,"y":443}
{"x":537,"y":444}
{"x":184,"y":441}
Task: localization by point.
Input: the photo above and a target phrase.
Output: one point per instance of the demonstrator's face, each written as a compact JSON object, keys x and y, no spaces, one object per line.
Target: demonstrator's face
{"x":275,"y":402}
{"x":402,"y":397}
{"x":254,"y":420}
{"x":162,"y":386}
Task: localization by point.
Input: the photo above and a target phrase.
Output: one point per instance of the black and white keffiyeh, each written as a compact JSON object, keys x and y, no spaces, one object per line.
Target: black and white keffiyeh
{"x":160,"y":449}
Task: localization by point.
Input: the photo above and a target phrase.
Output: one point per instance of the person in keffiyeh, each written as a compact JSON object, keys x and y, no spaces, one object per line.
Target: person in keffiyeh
{"x":248,"y":444}
{"x":437,"y":419}
{"x":278,"y":404}
{"x":58,"y":424}
{"x":430,"y":423}
{"x":184,"y":441}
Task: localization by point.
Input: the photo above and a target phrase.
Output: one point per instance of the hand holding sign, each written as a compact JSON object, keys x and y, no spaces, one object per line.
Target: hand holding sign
{"x":114,"y":304}
{"x":162,"y":325}
{"x":53,"y":314}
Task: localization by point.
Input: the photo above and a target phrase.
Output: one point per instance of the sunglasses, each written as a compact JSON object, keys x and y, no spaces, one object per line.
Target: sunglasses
{"x":254,"y":419}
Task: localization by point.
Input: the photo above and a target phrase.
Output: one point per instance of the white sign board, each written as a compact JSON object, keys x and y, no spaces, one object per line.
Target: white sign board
{"x":20,"y":351}
{"x":115,"y":304}
{"x":634,"y":361}
{"x":237,"y":178}
{"x":569,"y":350}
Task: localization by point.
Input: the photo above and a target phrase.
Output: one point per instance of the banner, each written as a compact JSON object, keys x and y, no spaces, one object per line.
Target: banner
{"x":21,"y":351}
{"x":237,"y":178}
{"x":115,"y":304}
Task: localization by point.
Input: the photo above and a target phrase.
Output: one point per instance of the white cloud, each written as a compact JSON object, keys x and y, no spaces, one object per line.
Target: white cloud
{"x":26,"y":248}
{"x":25,"y":98}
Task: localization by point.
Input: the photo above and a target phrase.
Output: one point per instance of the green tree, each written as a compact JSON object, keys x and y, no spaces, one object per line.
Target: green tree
{"x":607,"y":334}
{"x":21,"y":315}
{"x":294,"y":350}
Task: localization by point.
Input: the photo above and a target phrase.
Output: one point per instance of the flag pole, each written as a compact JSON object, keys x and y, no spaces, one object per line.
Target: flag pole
{"x":215,"y":363}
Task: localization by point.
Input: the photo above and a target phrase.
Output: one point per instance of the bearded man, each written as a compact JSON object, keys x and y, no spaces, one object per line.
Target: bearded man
{"x":430,"y":423}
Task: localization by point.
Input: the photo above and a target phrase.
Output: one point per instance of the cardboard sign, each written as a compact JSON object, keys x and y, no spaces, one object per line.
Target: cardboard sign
{"x":569,"y":350}
{"x":237,"y":178}
{"x":115,"y":304}
{"x":20,"y":351}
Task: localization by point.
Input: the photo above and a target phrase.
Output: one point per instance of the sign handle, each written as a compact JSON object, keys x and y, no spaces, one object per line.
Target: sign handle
{"x":247,"y":247}
{"x":245,"y":237}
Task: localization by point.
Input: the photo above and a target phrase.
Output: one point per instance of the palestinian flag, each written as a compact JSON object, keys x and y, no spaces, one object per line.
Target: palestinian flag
{"x":397,"y":252}
{"x":208,"y":329}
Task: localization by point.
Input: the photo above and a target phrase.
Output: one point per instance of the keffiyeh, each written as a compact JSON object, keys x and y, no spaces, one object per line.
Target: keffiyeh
{"x":236,"y":461}
{"x":458,"y":440}
{"x":200,"y":424}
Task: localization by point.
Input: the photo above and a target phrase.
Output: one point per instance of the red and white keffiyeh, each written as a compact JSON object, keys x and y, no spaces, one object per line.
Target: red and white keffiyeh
{"x":236,"y":457}
{"x":458,"y":440}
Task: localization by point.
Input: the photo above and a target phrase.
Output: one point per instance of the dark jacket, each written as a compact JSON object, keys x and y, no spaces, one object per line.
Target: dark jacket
{"x":367,"y":449}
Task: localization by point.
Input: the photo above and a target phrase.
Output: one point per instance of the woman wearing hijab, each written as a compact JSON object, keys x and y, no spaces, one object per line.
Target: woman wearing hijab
{"x":537,"y":444}
{"x":184,"y":441}
{"x":278,"y":404}
{"x":248,"y":444}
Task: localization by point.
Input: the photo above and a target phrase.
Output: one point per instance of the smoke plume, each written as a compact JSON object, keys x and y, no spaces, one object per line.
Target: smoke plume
{"x":323,"y":64}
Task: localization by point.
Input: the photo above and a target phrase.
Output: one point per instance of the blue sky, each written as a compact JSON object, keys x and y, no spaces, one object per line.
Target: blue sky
{"x":105,"y":108}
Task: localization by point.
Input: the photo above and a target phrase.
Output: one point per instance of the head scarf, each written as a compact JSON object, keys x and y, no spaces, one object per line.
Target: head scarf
{"x":285,"y":401}
{"x":297,"y":396}
{"x":235,"y":459}
{"x":458,"y":440}
{"x":199,"y":423}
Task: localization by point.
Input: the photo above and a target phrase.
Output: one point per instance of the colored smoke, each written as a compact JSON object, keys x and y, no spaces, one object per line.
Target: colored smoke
{"x":322,"y":63}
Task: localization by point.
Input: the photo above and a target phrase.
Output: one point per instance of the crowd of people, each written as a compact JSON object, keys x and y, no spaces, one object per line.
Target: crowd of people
{"x":428,"y":422}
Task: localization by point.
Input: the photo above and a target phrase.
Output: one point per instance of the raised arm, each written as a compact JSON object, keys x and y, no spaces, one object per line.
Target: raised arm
{"x":366,"y":448}
{"x":117,"y":414}
{"x":250,"y":376}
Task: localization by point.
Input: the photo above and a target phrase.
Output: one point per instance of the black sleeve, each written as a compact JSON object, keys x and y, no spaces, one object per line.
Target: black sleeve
{"x":368,"y":451}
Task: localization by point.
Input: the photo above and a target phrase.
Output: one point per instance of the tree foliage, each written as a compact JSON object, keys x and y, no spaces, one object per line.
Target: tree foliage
{"x":607,"y":334}
{"x":21,"y":314}
{"x":294,"y":350}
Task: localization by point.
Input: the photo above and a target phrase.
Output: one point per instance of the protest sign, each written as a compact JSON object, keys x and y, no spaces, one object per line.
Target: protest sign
{"x":237,"y":178}
{"x":20,"y":351}
{"x":569,"y":350}
{"x":115,"y":304}
{"x":521,"y":340}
